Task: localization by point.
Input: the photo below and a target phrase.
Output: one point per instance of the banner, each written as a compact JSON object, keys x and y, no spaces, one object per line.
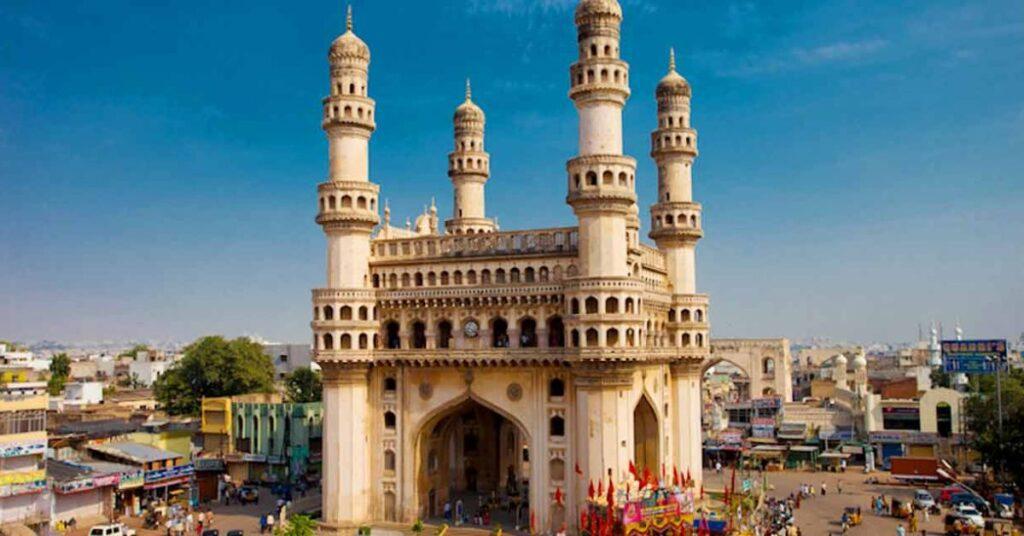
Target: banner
{"x":10,"y":450}
{"x":974,"y":357}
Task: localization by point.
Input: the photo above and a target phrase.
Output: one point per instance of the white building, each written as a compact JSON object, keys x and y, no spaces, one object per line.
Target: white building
{"x":145,"y":370}
{"x":288,"y":358}
{"x":25,"y":359}
{"x":83,"y":393}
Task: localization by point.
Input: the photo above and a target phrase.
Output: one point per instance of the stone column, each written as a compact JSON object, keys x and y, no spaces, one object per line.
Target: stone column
{"x":686,"y":411}
{"x":346,"y":449}
{"x":602,"y":433}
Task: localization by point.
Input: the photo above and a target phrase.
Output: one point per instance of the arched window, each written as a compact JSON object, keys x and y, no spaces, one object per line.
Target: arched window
{"x":390,"y":420}
{"x":499,"y":333}
{"x":629,"y":306}
{"x":328,"y":341}
{"x":444,"y":334}
{"x":376,"y":281}
{"x":527,"y":333}
{"x":529,"y":275}
{"x":406,"y":280}
{"x":392,"y":337}
{"x":389,"y":461}
{"x":768,"y":366}
{"x":556,"y":332}
{"x":419,"y":279}
{"x":575,"y":337}
{"x":544,"y":274}
{"x":944,"y":419}
{"x":591,"y":305}
{"x":419,"y":335}
{"x":346,"y":341}
{"x":471,"y":277}
{"x":591,"y":337}
{"x":700,"y":340}
{"x":556,"y":388}
{"x":364,"y":313}
{"x":630,"y":337}
{"x":345,"y":313}
{"x":513,"y":275}
{"x":444,"y":278}
{"x":364,"y":341}
{"x":557,"y":426}
{"x":671,"y":315}
{"x":591,"y":178}
{"x":608,"y":177}
{"x":432,"y":279}
{"x":684,"y":315}
{"x":393,"y":281}
{"x":700,"y":315}
{"x":611,"y":305}
{"x":457,"y":277}
{"x":574,"y":306}
{"x":686,"y":340}
{"x":612,"y":338}
{"x":485,"y":277}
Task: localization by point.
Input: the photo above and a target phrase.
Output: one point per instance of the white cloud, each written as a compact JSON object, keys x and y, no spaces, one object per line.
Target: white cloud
{"x":800,"y":58}
{"x":839,"y":51}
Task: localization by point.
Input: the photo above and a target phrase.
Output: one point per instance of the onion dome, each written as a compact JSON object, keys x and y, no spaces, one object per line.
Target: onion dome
{"x":349,"y":46}
{"x":598,"y":8}
{"x":673,"y":83}
{"x":860,"y":362}
{"x":468,"y":111}
{"x":841,"y":361}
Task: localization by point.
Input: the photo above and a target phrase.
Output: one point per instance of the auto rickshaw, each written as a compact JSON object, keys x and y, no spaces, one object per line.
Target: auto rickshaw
{"x":998,"y":527}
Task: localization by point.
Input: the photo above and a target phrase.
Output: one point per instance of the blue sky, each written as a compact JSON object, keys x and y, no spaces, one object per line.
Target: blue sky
{"x":861,"y":161}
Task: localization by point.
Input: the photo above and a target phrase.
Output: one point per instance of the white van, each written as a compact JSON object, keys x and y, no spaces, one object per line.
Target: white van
{"x":111,"y":530}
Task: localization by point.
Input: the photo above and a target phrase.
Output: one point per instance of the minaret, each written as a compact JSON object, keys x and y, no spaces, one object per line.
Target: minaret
{"x":676,"y":228}
{"x":601,"y":178}
{"x":675,"y":218}
{"x":469,"y":167}
{"x":342,"y":325}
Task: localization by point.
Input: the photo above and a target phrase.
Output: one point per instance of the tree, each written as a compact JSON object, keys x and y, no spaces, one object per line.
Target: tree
{"x":13,"y":346}
{"x":304,"y":386}
{"x":999,"y":449}
{"x":134,"y":352}
{"x":298,"y":525}
{"x":60,"y":369}
{"x":214,"y":366}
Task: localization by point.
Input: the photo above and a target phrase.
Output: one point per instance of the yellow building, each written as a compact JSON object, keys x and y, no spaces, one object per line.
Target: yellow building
{"x":23,"y":495}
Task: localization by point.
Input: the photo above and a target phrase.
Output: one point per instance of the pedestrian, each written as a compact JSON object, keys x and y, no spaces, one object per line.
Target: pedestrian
{"x":209,"y":518}
{"x":270,"y":523}
{"x":839,"y":487}
{"x":263,"y":523}
{"x":900,"y":531}
{"x":824,"y":489}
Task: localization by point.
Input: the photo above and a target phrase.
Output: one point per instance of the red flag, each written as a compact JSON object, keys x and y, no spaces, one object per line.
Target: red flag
{"x":590,"y":490}
{"x":633,"y":471}
{"x":611,"y":496}
{"x":533,"y":522}
{"x":578,"y":470}
{"x":583,"y":521}
{"x":675,"y":476}
{"x":689,"y":477}
{"x":600,"y":487}
{"x":702,"y":492}
{"x":647,"y":478}
{"x":558,"y":496}
{"x":664,"y":474}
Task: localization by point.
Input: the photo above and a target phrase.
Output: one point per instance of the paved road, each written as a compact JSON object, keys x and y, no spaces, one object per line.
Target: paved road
{"x":819,"y":516}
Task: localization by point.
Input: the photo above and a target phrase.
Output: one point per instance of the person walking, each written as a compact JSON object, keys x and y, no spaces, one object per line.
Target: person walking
{"x":270,"y":523}
{"x":900,"y":531}
{"x":824,"y":489}
{"x":263,"y":523}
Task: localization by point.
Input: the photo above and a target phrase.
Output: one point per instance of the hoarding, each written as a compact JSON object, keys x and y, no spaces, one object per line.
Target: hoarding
{"x":974,"y":357}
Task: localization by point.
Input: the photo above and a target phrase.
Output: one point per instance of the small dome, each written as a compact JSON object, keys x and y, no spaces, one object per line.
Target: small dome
{"x":841,"y":360}
{"x":673,"y":83}
{"x":592,"y":8}
{"x":860,"y":362}
{"x":468,"y":111}
{"x":349,"y":45}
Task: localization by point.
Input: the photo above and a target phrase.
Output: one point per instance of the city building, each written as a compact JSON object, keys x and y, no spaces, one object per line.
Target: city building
{"x":81,"y":493}
{"x":146,"y":368}
{"x":288,"y":358}
{"x":261,"y":437}
{"x":166,"y":474}
{"x":9,"y":357}
{"x":24,"y":499}
{"x":83,"y":393}
{"x":523,"y":363}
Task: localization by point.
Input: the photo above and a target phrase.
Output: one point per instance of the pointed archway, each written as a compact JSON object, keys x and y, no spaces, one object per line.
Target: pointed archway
{"x":645,"y":436}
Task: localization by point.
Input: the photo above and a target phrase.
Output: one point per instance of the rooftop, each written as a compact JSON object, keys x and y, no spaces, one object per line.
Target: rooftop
{"x":135,"y":452}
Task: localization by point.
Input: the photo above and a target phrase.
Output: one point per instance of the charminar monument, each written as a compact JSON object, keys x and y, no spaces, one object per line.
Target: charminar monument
{"x":469,"y":365}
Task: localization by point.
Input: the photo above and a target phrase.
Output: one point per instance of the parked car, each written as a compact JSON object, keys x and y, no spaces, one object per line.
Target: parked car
{"x":248,"y":495}
{"x":970,"y":499}
{"x":946,"y":493}
{"x":971,"y":514}
{"x":235,"y":533}
{"x":211,"y":532}
{"x":923,"y":499}
{"x":116,"y":529}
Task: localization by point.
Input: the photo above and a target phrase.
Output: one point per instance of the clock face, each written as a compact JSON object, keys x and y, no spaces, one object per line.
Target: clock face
{"x":471,"y":329}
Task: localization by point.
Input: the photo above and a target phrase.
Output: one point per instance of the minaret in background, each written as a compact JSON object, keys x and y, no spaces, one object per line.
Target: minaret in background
{"x":675,"y":217}
{"x":469,"y":167}
{"x":343,"y":325}
{"x":676,"y":228}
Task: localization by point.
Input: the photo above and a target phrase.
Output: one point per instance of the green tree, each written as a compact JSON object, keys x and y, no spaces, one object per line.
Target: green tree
{"x":134,"y":352}
{"x":13,"y":346}
{"x":60,"y":369}
{"x":304,"y":386}
{"x":999,"y":449}
{"x":298,"y":525}
{"x":214,"y":366}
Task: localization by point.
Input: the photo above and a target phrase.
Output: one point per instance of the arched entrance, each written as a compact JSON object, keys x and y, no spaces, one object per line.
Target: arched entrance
{"x":474,"y":458}
{"x":645,"y":436}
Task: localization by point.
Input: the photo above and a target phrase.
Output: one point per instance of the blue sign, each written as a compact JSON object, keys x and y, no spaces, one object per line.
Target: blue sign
{"x":974,"y":357}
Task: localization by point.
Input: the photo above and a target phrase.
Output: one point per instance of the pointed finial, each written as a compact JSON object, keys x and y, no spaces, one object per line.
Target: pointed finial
{"x":671,"y":59}
{"x":433,"y":204}
{"x":348,"y":18}
{"x":469,"y":90}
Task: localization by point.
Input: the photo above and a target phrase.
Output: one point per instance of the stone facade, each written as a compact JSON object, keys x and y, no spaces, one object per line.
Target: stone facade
{"x":526,"y":363}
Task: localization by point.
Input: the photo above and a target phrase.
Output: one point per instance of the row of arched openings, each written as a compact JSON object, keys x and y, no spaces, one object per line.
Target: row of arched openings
{"x":332,"y":202}
{"x":592,"y":306}
{"x":499,"y":333}
{"x":471,"y":277}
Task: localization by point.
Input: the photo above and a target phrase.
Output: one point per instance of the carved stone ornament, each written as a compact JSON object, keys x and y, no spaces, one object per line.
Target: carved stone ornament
{"x":514,"y":392}
{"x":426,"y":391}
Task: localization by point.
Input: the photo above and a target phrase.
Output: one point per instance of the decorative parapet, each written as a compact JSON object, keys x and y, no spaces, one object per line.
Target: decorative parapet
{"x":560,"y":241}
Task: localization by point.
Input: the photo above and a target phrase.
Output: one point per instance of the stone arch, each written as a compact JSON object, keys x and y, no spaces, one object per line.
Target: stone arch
{"x":646,"y":435}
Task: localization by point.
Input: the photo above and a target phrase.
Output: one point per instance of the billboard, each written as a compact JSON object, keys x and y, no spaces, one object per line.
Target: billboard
{"x":974,"y":357}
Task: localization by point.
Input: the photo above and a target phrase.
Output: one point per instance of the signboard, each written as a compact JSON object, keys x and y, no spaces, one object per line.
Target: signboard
{"x":170,"y":472}
{"x":835,"y":435}
{"x":10,"y":450}
{"x":772,"y":402}
{"x":974,"y":357}
{"x":131,"y":480}
{"x":762,"y":427}
{"x":23,"y":488}
{"x":885,"y":437}
{"x":730,"y":437}
{"x":209,"y":464}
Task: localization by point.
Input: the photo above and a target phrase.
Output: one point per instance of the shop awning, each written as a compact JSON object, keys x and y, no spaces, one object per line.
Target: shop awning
{"x":803,"y":448}
{"x":834,"y":455}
